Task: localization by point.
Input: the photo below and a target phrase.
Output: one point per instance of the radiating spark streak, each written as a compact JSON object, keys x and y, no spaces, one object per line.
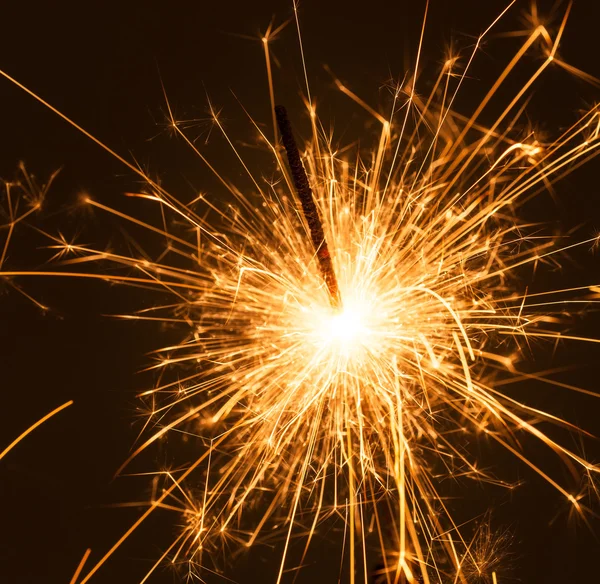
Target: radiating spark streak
{"x":138,"y":222}
{"x":266,"y":39}
{"x":79,"y":128}
{"x":300,"y":44}
{"x":412,"y":91}
{"x":146,"y":514}
{"x":33,"y":427}
{"x":163,"y":556}
{"x":459,"y":85}
{"x":105,"y":277}
{"x":82,"y":562}
{"x":11,"y":229}
{"x":361,"y":102}
{"x":305,"y":413}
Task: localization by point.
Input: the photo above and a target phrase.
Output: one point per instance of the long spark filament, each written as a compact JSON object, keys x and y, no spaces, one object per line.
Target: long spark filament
{"x":349,"y":389}
{"x":33,"y":427}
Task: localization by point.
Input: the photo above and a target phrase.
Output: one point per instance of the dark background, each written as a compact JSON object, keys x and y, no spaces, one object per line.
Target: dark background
{"x":101,"y":63}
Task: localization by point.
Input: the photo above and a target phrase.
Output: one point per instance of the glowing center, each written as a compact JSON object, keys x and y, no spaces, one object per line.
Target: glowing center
{"x":345,"y":326}
{"x":346,"y":330}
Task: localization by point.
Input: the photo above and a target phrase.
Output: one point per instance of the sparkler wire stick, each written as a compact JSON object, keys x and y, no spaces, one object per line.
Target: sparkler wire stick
{"x":311,"y":213}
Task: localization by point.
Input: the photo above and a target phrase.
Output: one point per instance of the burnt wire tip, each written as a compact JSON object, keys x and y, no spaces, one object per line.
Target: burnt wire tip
{"x":309,"y":208}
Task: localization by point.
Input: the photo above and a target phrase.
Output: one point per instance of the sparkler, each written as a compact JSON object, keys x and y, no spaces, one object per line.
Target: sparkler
{"x":311,"y":213}
{"x":337,"y":361}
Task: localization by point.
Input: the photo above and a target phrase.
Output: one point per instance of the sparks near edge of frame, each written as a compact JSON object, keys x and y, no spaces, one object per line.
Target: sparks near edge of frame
{"x":336,"y":361}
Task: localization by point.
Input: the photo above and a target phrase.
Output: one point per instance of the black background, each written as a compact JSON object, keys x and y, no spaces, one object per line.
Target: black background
{"x":101,"y":63}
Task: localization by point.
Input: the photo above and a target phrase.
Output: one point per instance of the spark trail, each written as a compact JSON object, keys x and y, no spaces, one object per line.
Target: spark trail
{"x":310,"y":411}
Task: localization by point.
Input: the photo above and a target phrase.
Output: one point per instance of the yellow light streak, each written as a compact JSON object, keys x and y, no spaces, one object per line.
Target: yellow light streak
{"x":33,"y":427}
{"x":305,"y":414}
